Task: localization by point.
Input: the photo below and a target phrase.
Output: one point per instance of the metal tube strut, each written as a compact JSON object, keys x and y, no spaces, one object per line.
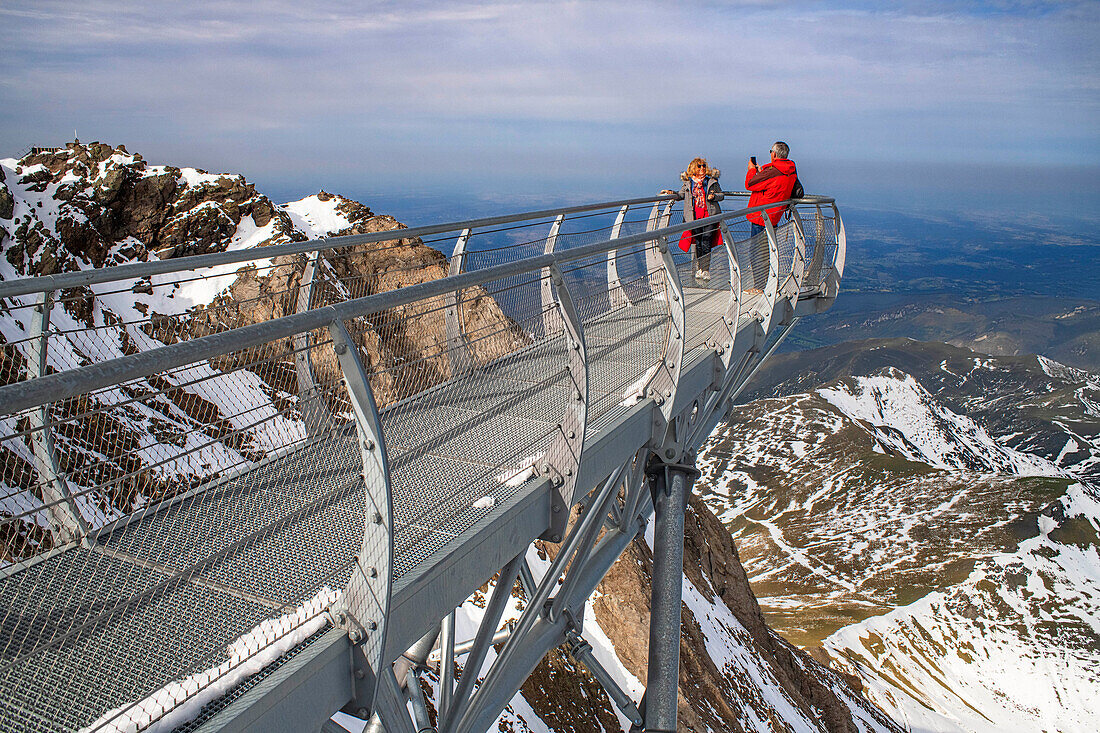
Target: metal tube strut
{"x":671,"y":484}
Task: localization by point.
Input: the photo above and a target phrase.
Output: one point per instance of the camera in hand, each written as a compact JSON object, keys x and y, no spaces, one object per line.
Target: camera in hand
{"x":752,"y":159}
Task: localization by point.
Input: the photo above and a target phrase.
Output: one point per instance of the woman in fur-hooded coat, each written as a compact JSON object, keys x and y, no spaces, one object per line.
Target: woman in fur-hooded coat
{"x":700,"y":193}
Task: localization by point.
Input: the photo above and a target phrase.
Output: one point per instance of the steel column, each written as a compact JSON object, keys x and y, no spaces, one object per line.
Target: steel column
{"x":65,"y":518}
{"x":671,"y":485}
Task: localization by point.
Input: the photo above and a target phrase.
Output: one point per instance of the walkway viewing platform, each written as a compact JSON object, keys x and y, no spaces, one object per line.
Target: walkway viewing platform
{"x":259,"y":500}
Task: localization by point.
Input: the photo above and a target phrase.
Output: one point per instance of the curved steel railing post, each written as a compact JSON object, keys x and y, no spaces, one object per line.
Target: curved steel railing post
{"x":798,"y":264}
{"x":458,"y":349}
{"x":364,"y":607}
{"x":65,"y":518}
{"x":725,"y":332}
{"x":836,"y":269}
{"x":619,"y":298}
{"x":315,"y":414}
{"x":817,"y":259}
{"x":549,"y":297}
{"x":569,"y":440}
{"x":771,"y":290}
{"x":661,"y":386}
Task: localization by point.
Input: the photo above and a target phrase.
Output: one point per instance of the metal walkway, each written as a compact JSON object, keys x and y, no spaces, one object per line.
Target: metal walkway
{"x":218,"y":521}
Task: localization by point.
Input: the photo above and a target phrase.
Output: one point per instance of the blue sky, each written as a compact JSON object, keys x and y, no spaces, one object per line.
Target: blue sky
{"x":532,"y":98}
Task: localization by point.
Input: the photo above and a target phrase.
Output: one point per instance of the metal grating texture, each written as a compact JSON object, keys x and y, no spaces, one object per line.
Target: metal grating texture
{"x":819,"y":224}
{"x":209,"y":506}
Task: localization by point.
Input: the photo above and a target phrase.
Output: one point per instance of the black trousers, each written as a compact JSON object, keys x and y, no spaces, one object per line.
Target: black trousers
{"x":703,"y":241}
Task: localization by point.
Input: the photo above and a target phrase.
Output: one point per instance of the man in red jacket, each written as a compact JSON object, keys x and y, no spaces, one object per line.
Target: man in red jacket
{"x":771,"y":182}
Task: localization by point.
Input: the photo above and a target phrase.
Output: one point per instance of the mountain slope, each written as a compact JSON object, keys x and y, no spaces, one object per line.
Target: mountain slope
{"x":921,"y":512}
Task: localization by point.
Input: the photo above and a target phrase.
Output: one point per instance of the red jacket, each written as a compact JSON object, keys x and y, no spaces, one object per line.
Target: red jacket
{"x":772,"y":182}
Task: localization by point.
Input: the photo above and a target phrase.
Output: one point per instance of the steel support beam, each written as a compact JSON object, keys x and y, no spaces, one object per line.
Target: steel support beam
{"x":502,"y":592}
{"x":671,"y":485}
{"x":581,"y":650}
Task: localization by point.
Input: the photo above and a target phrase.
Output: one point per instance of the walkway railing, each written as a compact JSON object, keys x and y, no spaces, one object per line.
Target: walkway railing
{"x":256,"y":445}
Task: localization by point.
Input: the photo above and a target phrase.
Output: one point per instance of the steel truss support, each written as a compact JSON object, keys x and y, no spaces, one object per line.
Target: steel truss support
{"x":581,"y":651}
{"x":548,"y":620}
{"x":364,"y":605}
{"x":464,"y":695}
{"x":65,"y":518}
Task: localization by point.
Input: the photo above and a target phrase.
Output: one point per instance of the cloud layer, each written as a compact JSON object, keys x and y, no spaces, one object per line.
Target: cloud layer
{"x":393,"y":89}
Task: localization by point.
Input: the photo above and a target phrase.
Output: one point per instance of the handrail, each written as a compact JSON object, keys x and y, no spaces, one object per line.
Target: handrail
{"x":62,"y":385}
{"x":59,"y":281}
{"x":43,"y":283}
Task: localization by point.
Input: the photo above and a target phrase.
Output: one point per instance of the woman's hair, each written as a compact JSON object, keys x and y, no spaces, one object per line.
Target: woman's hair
{"x":696,"y":164}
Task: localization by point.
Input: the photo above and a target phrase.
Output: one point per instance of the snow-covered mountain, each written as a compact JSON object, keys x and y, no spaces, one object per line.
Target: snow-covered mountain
{"x":932,"y":531}
{"x":90,"y":206}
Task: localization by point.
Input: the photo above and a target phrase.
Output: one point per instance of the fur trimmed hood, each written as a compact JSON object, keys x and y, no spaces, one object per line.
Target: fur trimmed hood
{"x":712,"y":172}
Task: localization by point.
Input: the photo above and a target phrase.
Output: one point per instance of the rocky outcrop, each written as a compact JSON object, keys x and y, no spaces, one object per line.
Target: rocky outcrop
{"x":714,"y":696}
{"x":96,"y":205}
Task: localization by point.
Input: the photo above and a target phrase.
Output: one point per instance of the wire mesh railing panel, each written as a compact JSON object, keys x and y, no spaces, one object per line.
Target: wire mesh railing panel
{"x":754,"y":260}
{"x":819,"y":225}
{"x":785,"y":247}
{"x":221,"y":520}
{"x":463,"y":439}
{"x":626,"y":345}
{"x":104,"y":321}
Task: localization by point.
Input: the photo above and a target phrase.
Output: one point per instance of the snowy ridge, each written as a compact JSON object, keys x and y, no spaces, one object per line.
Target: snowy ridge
{"x":904,"y":418}
{"x":961,"y":585}
{"x":1016,"y":646}
{"x":119,"y":318}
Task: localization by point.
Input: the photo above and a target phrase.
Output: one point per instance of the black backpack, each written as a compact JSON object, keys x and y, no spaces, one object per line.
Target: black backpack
{"x":797,"y":192}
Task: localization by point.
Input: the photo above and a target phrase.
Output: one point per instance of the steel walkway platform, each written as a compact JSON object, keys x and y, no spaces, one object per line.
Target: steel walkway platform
{"x":139,"y":615}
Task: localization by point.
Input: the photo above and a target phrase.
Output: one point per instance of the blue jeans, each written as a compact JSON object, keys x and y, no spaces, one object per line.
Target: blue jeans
{"x":755,"y":229}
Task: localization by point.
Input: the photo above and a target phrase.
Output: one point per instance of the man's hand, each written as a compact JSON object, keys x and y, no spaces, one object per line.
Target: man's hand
{"x":711,"y":197}
{"x":752,"y":166}
{"x":665,"y":192}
